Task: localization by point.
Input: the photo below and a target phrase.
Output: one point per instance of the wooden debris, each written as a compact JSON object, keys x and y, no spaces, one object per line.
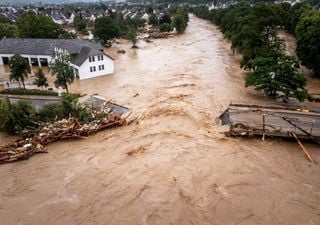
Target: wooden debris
{"x":36,"y":142}
{"x":302,"y":147}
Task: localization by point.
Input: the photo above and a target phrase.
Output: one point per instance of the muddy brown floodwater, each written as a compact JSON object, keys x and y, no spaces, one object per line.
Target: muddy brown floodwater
{"x":173,"y":166}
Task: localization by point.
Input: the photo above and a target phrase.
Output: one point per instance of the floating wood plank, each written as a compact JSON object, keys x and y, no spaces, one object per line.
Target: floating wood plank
{"x":302,"y":147}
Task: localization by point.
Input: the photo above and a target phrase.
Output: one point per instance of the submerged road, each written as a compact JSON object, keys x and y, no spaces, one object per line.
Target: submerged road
{"x":173,"y":166}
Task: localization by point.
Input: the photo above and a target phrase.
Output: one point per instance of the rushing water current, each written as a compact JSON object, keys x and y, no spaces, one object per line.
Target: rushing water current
{"x":173,"y":166}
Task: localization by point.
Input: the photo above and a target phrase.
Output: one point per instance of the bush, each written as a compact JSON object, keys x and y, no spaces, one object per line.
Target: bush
{"x":14,"y":118}
{"x":69,"y":106}
{"x":165,"y":27}
{"x":51,"y":112}
{"x":20,"y":91}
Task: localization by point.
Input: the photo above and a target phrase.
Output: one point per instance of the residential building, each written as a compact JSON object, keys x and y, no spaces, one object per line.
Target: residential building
{"x":87,"y":59}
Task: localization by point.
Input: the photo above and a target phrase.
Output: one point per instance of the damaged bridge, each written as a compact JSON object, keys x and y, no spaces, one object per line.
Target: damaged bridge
{"x":271,"y":120}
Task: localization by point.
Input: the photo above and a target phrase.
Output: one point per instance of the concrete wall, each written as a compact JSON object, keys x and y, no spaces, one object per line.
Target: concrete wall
{"x":84,"y":69}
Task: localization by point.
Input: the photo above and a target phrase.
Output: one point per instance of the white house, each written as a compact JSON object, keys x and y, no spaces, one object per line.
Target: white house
{"x":70,"y":19}
{"x":87,"y":59}
{"x":92,"y":18}
{"x":145,"y":17}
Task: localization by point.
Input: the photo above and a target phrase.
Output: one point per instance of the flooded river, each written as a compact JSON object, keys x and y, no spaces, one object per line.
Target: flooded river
{"x":173,"y":166}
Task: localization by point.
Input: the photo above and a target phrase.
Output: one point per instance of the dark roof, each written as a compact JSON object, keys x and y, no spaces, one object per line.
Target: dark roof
{"x":80,"y":49}
{"x":83,"y":55}
{"x":10,"y":16}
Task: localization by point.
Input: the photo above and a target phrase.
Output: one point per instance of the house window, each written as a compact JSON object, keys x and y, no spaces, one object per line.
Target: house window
{"x":91,"y":59}
{"x":44,"y":62}
{"x":100,"y":57}
{"x":91,"y":68}
{"x":102,"y":67}
{"x":94,"y":69}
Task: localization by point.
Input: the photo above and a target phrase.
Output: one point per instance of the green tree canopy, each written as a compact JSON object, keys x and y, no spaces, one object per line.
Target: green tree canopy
{"x":308,"y":40}
{"x":41,"y":80}
{"x":106,"y":28}
{"x":31,"y":25}
{"x":179,"y":23}
{"x":165,"y":18}
{"x":180,"y":19}
{"x":14,"y":118}
{"x":19,"y":68}
{"x":8,"y":30}
{"x":132,"y":36}
{"x":80,"y":23}
{"x":153,"y":20}
{"x":61,"y":68}
{"x":276,"y":77}
{"x":165,"y":27}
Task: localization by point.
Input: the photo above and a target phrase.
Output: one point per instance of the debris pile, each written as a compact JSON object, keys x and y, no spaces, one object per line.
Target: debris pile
{"x":107,"y":116}
{"x":160,"y":35}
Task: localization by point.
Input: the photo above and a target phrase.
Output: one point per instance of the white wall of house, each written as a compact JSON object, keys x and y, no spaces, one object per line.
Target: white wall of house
{"x":84,"y":69}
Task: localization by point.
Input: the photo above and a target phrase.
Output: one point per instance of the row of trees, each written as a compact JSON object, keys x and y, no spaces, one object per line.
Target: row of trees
{"x":307,"y":33}
{"x":252,"y":31}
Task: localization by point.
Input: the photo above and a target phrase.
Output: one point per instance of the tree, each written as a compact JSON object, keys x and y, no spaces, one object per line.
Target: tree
{"x":277,"y":77}
{"x":153,"y":20}
{"x":4,"y":19}
{"x":14,"y":118}
{"x":31,"y":25}
{"x":165,"y":27}
{"x":61,"y":68}
{"x":179,"y":23}
{"x":41,"y":80}
{"x":165,"y":18}
{"x":8,"y":30}
{"x":295,"y":13}
{"x":180,"y":20}
{"x":80,"y":23}
{"x":149,"y":10}
{"x":106,"y":28}
{"x":308,"y":40}
{"x":132,"y":36}
{"x":19,"y":68}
